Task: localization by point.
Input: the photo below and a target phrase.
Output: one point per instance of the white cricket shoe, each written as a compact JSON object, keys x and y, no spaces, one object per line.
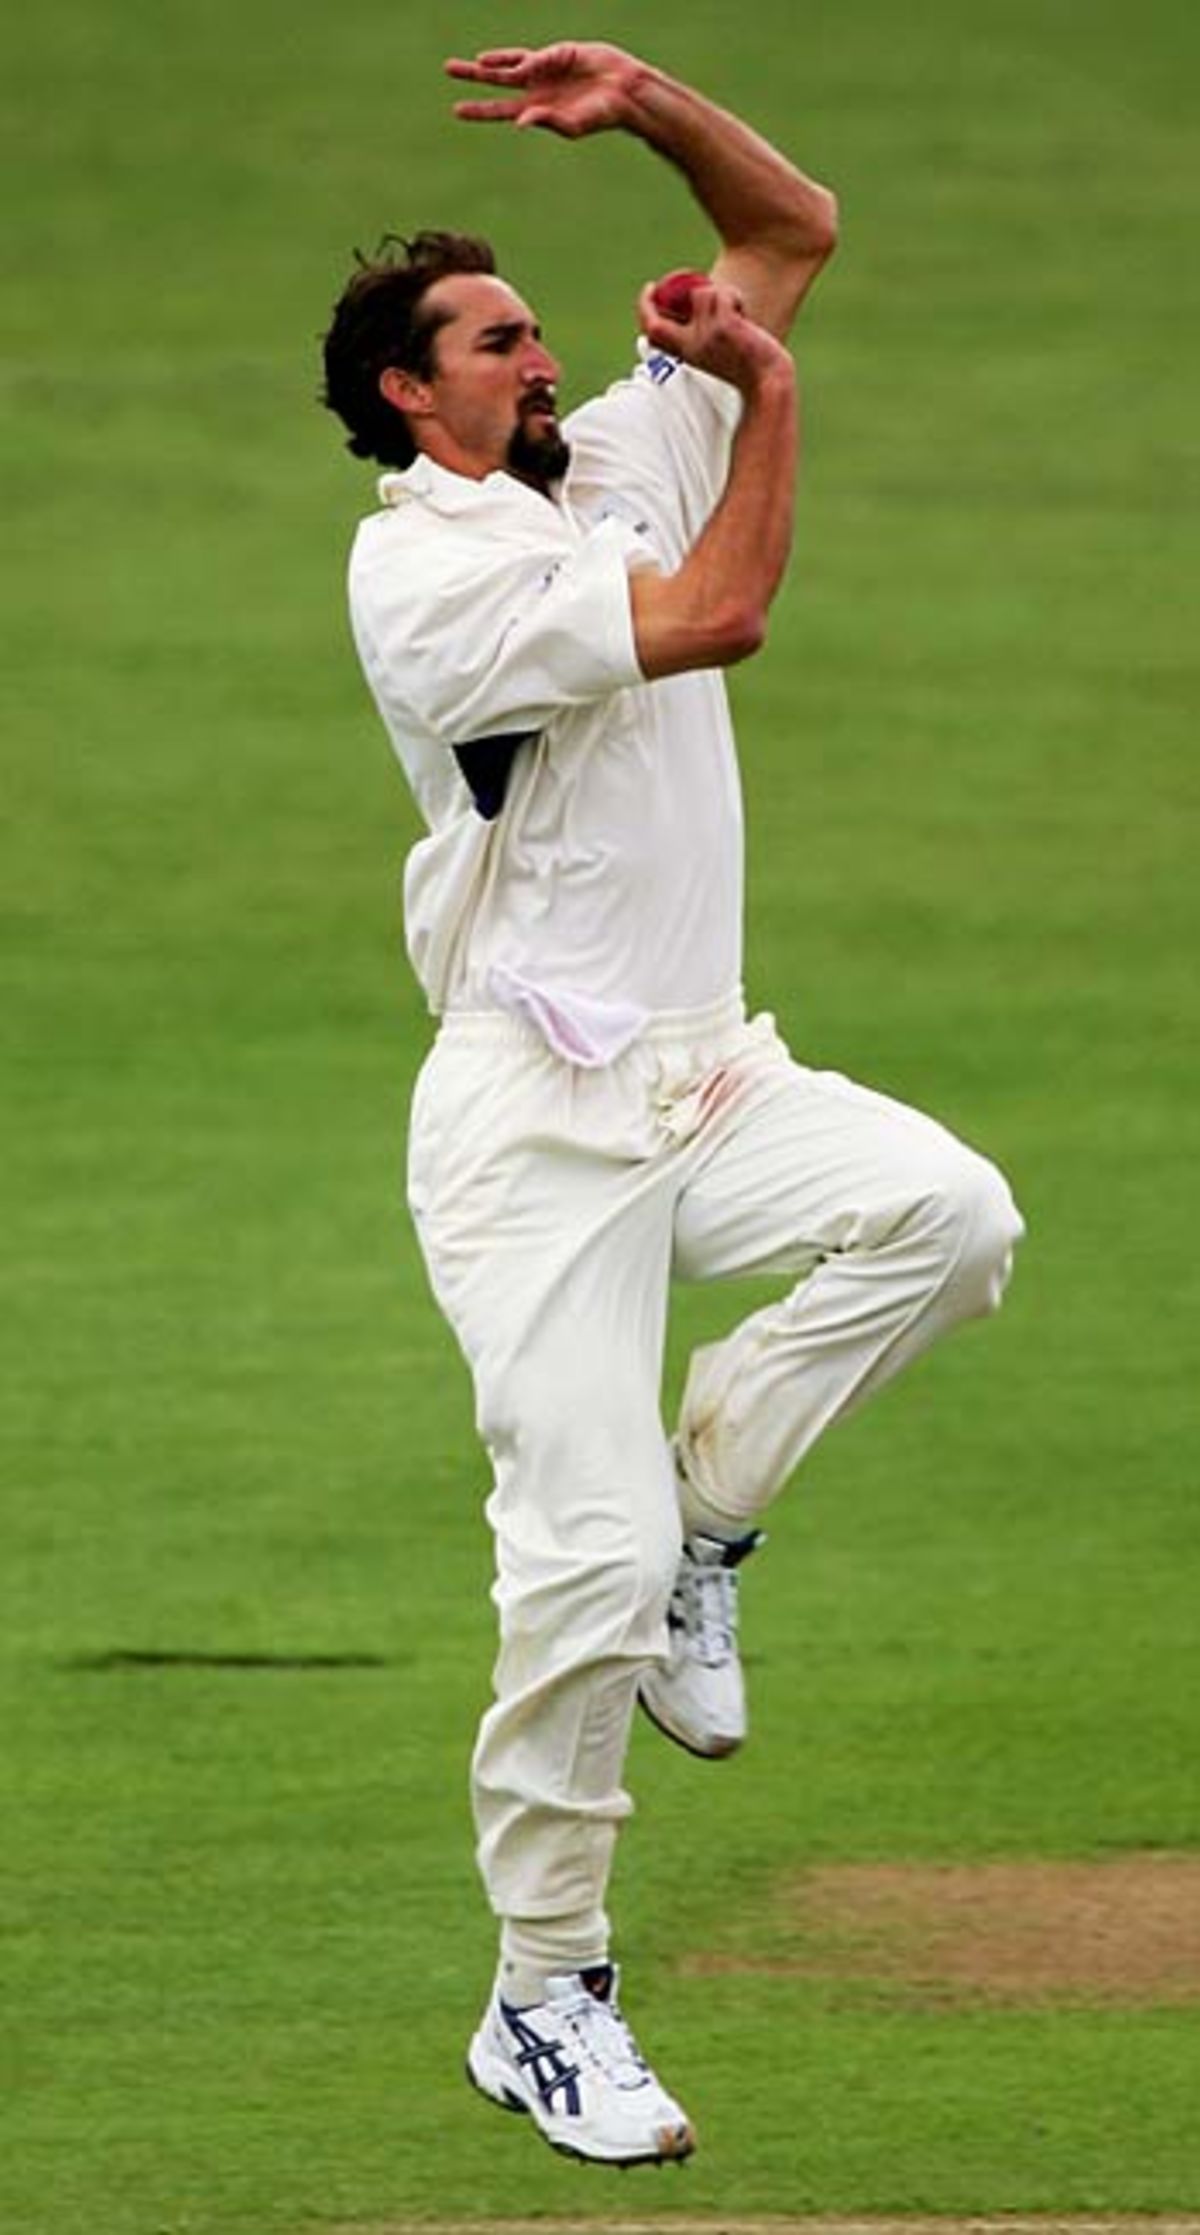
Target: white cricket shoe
{"x":697,"y":1696}
{"x":573,"y":2064}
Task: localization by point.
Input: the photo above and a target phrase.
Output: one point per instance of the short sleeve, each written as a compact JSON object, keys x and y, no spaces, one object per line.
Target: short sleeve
{"x":471,"y":639}
{"x":657,"y":442}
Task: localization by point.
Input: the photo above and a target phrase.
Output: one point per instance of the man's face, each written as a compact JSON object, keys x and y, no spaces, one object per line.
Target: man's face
{"x":490,"y":401}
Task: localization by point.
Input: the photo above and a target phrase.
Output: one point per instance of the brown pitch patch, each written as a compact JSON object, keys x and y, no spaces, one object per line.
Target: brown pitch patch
{"x":1121,"y":1931}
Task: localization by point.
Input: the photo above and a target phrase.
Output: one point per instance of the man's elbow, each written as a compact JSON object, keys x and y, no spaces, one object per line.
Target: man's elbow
{"x":679,"y":628}
{"x":812,"y":227}
{"x":821,"y":225}
{"x":738,"y":633}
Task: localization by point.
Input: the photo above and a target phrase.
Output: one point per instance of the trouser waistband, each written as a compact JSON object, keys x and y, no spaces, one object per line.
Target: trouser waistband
{"x":661,"y":1025}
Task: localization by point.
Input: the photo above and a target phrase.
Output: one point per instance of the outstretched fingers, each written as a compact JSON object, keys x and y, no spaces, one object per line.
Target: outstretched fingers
{"x":571,"y":90}
{"x":495,"y":66}
{"x":488,"y":112}
{"x":502,"y":66}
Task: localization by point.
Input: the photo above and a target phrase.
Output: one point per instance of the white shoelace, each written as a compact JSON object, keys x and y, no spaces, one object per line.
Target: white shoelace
{"x":602,"y":2039}
{"x":709,"y":1609}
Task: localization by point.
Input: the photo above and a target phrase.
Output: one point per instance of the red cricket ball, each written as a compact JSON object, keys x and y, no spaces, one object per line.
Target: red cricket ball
{"x":673,"y":295}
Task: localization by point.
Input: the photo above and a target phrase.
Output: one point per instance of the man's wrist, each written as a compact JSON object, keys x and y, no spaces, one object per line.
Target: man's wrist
{"x":771,"y":385}
{"x":646,"y":99}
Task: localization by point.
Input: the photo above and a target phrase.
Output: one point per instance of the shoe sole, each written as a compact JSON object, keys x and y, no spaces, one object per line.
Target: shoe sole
{"x":676,"y":2144}
{"x":718,"y":1753}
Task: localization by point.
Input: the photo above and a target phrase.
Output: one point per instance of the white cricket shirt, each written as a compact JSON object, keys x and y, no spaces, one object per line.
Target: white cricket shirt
{"x":608,"y":887}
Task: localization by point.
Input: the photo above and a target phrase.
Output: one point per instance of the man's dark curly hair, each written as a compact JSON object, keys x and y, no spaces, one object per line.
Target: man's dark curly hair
{"x":377,"y":322}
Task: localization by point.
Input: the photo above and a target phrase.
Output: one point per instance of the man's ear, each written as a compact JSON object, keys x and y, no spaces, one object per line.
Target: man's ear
{"x":412,"y":396}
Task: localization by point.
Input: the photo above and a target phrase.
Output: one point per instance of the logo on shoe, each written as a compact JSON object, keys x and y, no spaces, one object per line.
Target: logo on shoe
{"x":545,"y":2061}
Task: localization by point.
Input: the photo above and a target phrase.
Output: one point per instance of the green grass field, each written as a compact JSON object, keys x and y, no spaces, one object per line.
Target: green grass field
{"x":242,"y":1938}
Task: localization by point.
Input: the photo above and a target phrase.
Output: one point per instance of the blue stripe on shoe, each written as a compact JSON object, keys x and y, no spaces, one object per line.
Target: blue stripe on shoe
{"x":546,"y":2061}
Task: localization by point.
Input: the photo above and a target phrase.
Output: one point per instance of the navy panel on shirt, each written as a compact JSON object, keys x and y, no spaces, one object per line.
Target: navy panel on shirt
{"x":487,"y":765}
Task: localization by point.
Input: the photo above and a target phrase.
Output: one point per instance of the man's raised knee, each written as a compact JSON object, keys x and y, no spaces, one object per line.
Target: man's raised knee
{"x":983,"y":1227}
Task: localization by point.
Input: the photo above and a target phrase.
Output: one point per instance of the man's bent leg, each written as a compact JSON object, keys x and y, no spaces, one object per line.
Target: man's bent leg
{"x":902,"y":1232}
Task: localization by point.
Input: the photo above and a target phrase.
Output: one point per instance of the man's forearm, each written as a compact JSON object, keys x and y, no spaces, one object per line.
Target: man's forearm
{"x":751,"y":193}
{"x":713,"y":611}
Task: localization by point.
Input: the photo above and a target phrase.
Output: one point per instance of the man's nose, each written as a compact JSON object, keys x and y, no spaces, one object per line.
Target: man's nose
{"x":540,"y":365}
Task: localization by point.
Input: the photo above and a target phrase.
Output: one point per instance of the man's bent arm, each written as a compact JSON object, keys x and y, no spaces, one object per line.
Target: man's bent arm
{"x":776,"y":226}
{"x":713,"y":611}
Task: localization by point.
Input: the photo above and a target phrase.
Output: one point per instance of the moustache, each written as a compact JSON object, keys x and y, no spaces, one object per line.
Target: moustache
{"x":539,"y":399}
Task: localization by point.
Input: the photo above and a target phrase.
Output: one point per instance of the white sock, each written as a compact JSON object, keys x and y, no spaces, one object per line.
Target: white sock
{"x":701,"y":1518}
{"x":534,"y":1949}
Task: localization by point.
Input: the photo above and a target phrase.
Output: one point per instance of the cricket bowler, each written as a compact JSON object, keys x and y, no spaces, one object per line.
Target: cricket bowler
{"x":544,"y":609}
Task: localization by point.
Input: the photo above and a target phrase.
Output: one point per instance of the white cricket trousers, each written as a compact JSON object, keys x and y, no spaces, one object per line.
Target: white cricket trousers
{"x":553,"y":1206}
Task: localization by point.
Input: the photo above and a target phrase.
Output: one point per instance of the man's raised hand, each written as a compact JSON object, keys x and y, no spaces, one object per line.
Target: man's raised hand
{"x":572,"y":88}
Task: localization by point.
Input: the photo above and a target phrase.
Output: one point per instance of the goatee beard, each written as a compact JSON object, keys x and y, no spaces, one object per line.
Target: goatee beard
{"x":541,"y":459}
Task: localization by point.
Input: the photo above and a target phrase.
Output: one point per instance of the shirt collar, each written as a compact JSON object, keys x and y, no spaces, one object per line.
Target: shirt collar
{"x":425,"y":482}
